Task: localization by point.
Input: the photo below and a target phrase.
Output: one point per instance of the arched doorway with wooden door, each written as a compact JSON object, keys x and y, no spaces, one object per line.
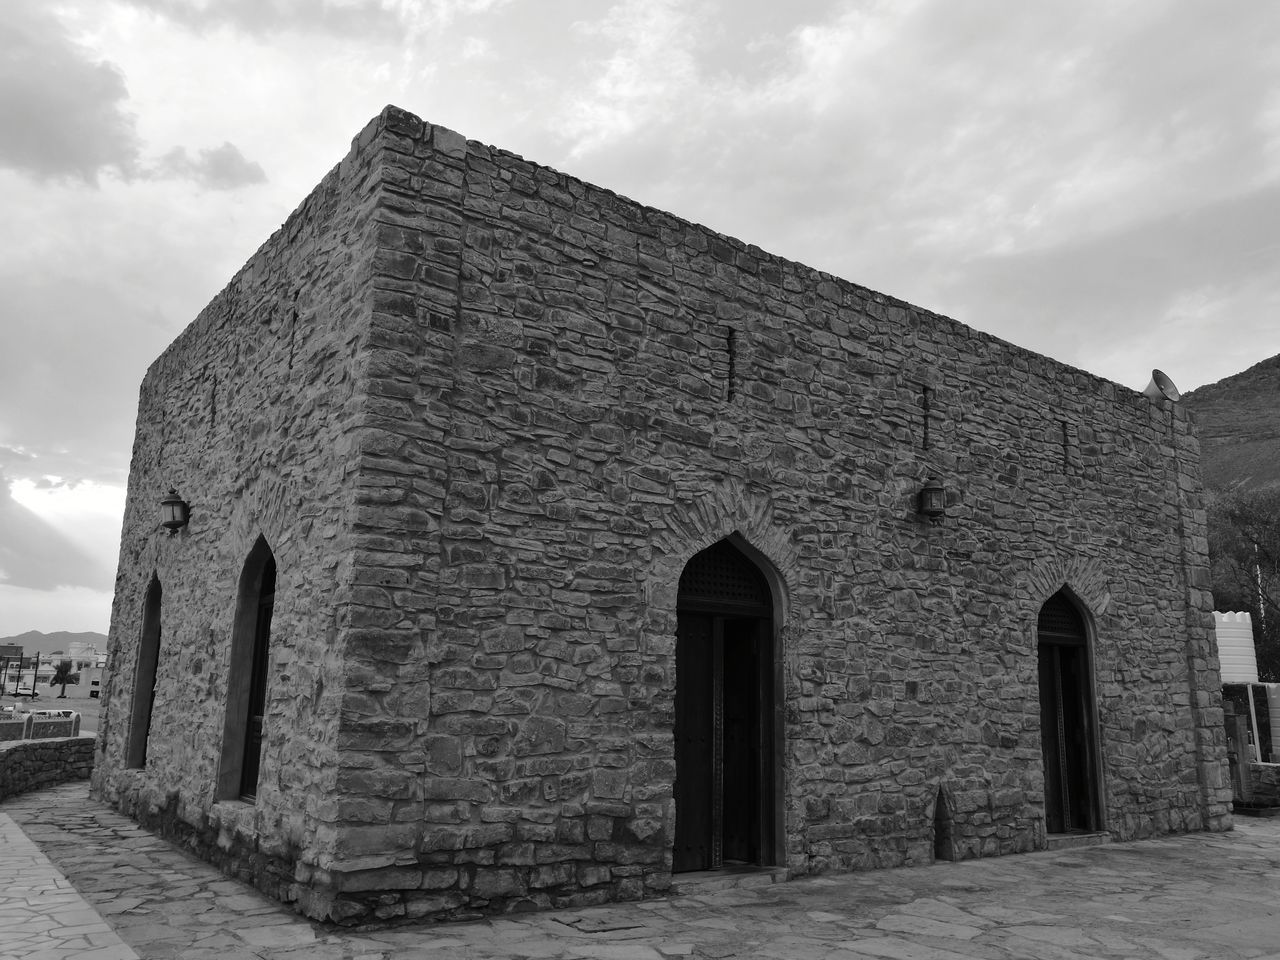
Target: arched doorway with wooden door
{"x":1067,"y":720}
{"x":726,"y":719}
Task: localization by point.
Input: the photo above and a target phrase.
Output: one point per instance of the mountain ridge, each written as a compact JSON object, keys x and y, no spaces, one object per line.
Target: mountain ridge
{"x":34,"y":641}
{"x":1238,"y":419}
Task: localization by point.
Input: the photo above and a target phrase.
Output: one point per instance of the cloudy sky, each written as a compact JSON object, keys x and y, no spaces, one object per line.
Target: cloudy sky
{"x":1097,"y":180}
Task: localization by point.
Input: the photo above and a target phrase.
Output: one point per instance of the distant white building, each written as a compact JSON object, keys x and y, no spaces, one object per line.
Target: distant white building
{"x":82,"y":653}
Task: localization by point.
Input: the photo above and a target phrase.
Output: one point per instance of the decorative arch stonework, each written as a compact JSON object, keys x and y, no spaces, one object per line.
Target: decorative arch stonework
{"x":730,"y":511}
{"x":1084,"y":577}
{"x":256,"y":516}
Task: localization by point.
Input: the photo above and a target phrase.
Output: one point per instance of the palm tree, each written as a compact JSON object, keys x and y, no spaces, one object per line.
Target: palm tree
{"x":61,"y":674}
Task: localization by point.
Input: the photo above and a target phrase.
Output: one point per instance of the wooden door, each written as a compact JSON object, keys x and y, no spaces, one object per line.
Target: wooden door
{"x":1066,"y":721}
{"x":740,"y":758}
{"x":694,"y":742}
{"x":258,"y":684}
{"x":723,"y":714}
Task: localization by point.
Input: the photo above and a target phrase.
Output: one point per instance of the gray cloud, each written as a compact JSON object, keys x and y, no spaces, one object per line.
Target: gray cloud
{"x":35,"y":555}
{"x":1161,"y":287}
{"x":62,"y":113}
{"x":221,"y":168}
{"x":269,"y":16}
{"x":74,"y":353}
{"x":352,"y":18}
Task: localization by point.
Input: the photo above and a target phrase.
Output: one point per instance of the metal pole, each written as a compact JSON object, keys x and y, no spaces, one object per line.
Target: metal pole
{"x":1253,"y":724}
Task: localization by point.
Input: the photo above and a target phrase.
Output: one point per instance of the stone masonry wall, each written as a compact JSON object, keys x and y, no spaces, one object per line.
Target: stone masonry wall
{"x":1264,"y":781}
{"x":32,"y":764}
{"x":570,"y":395}
{"x":251,"y":415}
{"x":484,"y":414}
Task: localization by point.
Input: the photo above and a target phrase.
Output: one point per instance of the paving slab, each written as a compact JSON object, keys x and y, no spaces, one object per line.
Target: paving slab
{"x":83,"y":883}
{"x":41,"y":914}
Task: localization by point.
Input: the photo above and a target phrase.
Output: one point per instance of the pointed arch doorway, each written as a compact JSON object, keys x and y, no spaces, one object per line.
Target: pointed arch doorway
{"x":1067,"y":737}
{"x":725,"y":722}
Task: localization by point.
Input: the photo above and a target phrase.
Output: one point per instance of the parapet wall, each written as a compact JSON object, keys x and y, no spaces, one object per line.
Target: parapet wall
{"x":31,"y":764}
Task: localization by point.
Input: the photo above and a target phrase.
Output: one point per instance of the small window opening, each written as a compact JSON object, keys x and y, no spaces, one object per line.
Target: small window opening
{"x":731,"y":350}
{"x":926,"y":407}
{"x":944,"y":847}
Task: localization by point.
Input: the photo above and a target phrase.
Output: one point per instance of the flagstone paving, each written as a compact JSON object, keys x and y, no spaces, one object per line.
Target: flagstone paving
{"x":82,"y":883}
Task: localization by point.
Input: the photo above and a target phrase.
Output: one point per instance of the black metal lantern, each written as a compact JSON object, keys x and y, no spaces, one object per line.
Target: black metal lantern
{"x":933,"y":500}
{"x":174,"y":512}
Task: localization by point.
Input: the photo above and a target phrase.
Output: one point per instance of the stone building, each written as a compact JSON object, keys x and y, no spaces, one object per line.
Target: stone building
{"x":542,"y":545}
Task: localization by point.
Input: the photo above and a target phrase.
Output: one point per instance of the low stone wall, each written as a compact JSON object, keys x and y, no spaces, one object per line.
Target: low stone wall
{"x":1265,"y":780}
{"x":31,"y":764}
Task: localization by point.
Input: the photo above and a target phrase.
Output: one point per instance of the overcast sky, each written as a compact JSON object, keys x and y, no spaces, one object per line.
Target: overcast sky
{"x":1098,"y":181}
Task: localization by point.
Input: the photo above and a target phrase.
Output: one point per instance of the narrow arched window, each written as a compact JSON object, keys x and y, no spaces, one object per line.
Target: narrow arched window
{"x":144,"y":677}
{"x":247,"y":677}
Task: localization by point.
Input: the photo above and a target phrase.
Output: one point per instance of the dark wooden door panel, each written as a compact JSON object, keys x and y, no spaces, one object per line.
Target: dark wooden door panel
{"x":741,"y":741}
{"x":1066,"y":739}
{"x":724,"y":713}
{"x":693,"y":743}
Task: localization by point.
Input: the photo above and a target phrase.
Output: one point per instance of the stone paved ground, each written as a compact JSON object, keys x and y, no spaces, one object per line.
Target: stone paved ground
{"x":1184,"y":898}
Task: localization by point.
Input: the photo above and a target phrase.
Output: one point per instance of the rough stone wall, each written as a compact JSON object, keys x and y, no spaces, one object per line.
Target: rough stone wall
{"x":252,"y":416}
{"x":510,"y":408}
{"x":571,"y":394}
{"x":30,"y":765}
{"x":1265,"y":781}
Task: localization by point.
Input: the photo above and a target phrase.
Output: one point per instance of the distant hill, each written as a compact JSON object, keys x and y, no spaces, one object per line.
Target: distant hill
{"x":1239,"y":425}
{"x":33,"y":641}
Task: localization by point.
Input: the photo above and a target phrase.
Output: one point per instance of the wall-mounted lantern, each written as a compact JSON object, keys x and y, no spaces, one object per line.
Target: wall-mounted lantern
{"x":174,"y":512}
{"x":933,"y":500}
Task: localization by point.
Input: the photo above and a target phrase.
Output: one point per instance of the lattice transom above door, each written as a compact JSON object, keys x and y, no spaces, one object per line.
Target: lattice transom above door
{"x":721,"y":574}
{"x":1060,"y":620}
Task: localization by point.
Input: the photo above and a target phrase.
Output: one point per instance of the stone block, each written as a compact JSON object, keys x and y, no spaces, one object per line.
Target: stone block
{"x":490,"y":882}
{"x":456,"y":788}
{"x":609,"y":784}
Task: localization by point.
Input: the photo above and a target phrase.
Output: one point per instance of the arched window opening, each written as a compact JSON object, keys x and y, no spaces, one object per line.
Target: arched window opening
{"x":1067,"y":737}
{"x":725,"y":789}
{"x":144,"y":677}
{"x":944,"y":847}
{"x":247,"y":679}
